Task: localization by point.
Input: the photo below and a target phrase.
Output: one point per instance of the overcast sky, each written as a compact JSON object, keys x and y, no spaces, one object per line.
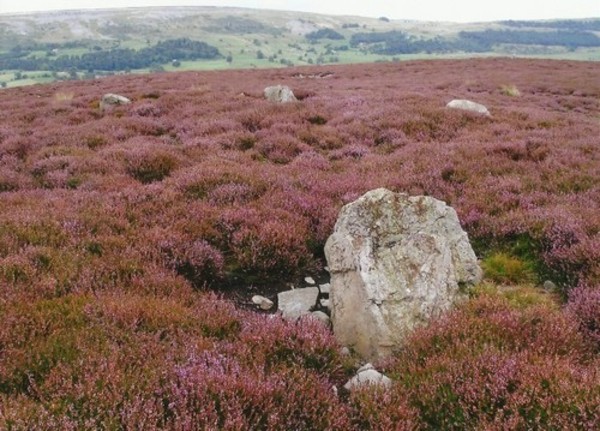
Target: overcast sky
{"x":434,"y":10}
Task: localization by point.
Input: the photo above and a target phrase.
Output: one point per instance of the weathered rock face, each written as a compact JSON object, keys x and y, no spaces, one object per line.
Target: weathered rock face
{"x":109,"y":100}
{"x":279,"y":94}
{"x":395,"y":262}
{"x":468,"y":105}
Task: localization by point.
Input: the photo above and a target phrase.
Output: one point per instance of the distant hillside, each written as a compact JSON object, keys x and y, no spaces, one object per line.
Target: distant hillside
{"x":46,"y":46}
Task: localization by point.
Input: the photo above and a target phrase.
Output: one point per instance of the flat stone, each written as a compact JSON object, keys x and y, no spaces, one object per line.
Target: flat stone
{"x":325,"y":303}
{"x":297,"y":302}
{"x":325,"y":288}
{"x":309,"y":280}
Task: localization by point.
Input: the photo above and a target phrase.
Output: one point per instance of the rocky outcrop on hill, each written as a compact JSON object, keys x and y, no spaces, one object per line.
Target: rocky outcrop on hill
{"x":395,"y":262}
{"x":279,"y":94}
{"x":468,"y":105}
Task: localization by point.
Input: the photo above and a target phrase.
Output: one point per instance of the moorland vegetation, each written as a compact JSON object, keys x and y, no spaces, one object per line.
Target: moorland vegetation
{"x":121,"y":229}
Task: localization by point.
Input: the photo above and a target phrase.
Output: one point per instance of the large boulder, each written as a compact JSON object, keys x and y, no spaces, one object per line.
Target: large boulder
{"x":468,"y":105}
{"x":279,"y":94}
{"x":395,"y":262}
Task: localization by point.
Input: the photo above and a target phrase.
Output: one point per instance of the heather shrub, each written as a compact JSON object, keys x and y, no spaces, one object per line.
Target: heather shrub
{"x":377,"y":409}
{"x":306,"y":343}
{"x":214,"y":392}
{"x":490,"y":363}
{"x":197,"y":260}
{"x":584,"y":306}
{"x":37,"y":337}
{"x":148,"y":167}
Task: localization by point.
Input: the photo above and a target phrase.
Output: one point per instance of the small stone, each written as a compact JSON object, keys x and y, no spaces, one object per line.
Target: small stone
{"x":279,"y":94}
{"x":550,"y":286}
{"x":111,"y":99}
{"x":309,"y":280}
{"x":262,"y":302}
{"x":367,"y":375}
{"x":325,"y":303}
{"x":322,"y":317}
{"x":344,"y":351}
{"x":326,"y":268}
{"x":468,"y":105}
{"x":325,"y":288}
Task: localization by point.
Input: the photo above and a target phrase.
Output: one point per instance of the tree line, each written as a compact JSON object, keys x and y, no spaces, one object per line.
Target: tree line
{"x":398,"y":42}
{"x":112,"y":59}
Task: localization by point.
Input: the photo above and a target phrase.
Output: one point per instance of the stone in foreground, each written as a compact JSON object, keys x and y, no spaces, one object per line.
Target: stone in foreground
{"x":297,"y":302}
{"x":279,"y":94}
{"x":396,"y":261}
{"x":468,"y":105}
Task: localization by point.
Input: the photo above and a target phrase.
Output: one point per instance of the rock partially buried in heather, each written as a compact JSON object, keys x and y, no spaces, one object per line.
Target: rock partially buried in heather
{"x":110,"y":100}
{"x":321,"y":317}
{"x":395,"y":261}
{"x":279,"y":94}
{"x":368,"y":375}
{"x":297,"y":302}
{"x":549,"y":286}
{"x":468,"y":105}
{"x":262,"y":302}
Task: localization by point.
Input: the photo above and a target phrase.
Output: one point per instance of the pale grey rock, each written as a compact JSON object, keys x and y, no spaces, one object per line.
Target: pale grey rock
{"x":468,"y":105}
{"x":110,"y":100}
{"x":262,"y":302}
{"x":279,"y":94}
{"x":325,"y":303}
{"x":368,"y":375}
{"x":325,"y":288}
{"x":297,"y":302}
{"x":309,"y":280}
{"x":344,"y":351}
{"x":322,"y":317}
{"x":550,"y":286}
{"x":367,"y":366}
{"x":396,"y":261}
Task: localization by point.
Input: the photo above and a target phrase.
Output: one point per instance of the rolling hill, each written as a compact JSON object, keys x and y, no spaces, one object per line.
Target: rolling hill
{"x":42,"y":47}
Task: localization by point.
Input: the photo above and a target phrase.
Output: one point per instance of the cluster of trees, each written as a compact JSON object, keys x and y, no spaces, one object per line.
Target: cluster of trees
{"x":324,"y":33}
{"x":397,"y":42}
{"x":113,"y":59}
